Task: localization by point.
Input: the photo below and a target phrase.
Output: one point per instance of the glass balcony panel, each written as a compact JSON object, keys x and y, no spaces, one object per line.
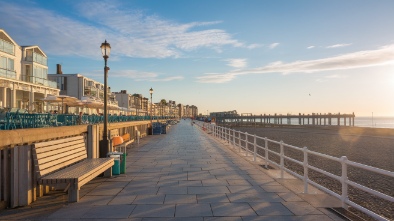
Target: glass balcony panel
{"x":37,"y":58}
{"x":7,"y":47}
{"x":7,"y":73}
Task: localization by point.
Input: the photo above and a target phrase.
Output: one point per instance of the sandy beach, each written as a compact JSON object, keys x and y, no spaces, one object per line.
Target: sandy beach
{"x":369,"y":146}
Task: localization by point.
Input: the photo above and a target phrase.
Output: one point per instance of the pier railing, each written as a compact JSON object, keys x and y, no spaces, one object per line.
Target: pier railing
{"x":268,"y":120}
{"x":301,"y":163}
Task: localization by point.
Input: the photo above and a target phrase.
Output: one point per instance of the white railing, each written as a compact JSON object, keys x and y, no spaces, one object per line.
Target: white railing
{"x":252,"y":147}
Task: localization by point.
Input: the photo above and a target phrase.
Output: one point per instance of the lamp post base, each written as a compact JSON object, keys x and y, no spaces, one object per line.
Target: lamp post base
{"x":103,"y":148}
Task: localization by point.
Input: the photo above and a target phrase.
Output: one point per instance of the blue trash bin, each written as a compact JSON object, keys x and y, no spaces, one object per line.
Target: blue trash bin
{"x":164,"y":128}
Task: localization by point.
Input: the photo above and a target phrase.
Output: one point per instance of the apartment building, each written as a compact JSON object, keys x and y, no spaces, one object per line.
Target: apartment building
{"x":23,"y":76}
{"x":81,"y":87}
{"x":190,"y":111}
{"x":126,"y":102}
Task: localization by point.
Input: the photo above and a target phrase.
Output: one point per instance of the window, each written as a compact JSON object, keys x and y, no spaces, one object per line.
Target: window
{"x":3,"y":62}
{"x":61,"y":83}
{"x":11,"y":64}
{"x":7,"y":63}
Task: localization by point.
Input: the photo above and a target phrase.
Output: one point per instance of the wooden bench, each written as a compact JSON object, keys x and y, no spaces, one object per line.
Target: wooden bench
{"x":64,"y":161}
{"x":126,"y":141}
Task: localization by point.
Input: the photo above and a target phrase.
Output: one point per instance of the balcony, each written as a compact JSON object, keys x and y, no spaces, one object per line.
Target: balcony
{"x":40,"y":81}
{"x":7,"y":73}
{"x":7,"y":47}
{"x":35,"y":57}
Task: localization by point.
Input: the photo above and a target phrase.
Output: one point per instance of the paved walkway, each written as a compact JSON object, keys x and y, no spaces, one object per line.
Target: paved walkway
{"x":183,"y":175}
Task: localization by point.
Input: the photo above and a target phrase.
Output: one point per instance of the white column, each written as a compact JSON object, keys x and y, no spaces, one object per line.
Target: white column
{"x":4,"y":97}
{"x":13,"y":97}
{"x":31,"y":99}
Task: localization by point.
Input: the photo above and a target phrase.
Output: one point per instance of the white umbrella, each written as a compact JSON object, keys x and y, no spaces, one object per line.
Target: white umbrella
{"x":64,"y":99}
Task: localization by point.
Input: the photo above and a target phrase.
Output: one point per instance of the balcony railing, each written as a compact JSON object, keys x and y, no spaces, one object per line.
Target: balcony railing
{"x":40,"y":81}
{"x":7,"y":47}
{"x":37,"y":58}
{"x":7,"y":73}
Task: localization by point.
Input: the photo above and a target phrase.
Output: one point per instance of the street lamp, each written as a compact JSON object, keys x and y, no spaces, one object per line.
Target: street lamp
{"x":151,"y":106}
{"x":104,"y":147}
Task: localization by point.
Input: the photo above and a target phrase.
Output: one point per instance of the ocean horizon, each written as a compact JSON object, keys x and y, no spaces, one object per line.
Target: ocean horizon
{"x":374,"y":122}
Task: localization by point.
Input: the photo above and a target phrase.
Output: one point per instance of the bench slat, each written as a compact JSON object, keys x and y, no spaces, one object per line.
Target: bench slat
{"x":78,"y":171}
{"x":57,"y":142}
{"x":48,"y":170}
{"x":100,"y":169}
{"x":53,"y":155}
{"x":57,"y":155}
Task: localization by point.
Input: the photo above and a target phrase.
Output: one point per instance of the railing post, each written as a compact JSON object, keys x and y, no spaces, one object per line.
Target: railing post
{"x":246,"y":144}
{"x":254,"y":148}
{"x":217,"y":132}
{"x":227,"y":135}
{"x":239,"y":141}
{"x":266,"y":152}
{"x":234,"y":139}
{"x":344,"y":180}
{"x":306,"y":171}
{"x":282,"y":161}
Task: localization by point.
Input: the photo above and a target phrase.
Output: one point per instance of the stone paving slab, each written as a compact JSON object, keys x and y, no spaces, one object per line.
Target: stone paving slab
{"x":185,"y":175}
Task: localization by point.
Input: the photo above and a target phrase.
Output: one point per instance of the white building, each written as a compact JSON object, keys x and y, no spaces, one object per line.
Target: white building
{"x":79,"y":86}
{"x":23,"y":76}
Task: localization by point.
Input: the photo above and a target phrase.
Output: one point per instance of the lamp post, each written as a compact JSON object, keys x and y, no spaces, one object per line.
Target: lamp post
{"x":104,"y":147}
{"x":151,"y":106}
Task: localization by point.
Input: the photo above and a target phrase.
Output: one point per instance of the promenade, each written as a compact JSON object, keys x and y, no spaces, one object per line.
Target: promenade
{"x":184,"y":175}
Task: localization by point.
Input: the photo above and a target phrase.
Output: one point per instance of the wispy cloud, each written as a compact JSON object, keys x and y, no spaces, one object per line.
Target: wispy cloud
{"x":273,"y":45}
{"x":237,"y":63}
{"x":131,"y":33}
{"x":216,"y":78}
{"x":310,"y":47}
{"x":338,"y":45}
{"x":137,"y":75}
{"x":381,"y":56}
{"x":253,"y":46}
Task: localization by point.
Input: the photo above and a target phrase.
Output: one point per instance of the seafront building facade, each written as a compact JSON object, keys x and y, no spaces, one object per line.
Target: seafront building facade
{"x":83,"y":88}
{"x":25,"y":83}
{"x":23,"y":76}
{"x":133,"y":104}
{"x":190,"y":111}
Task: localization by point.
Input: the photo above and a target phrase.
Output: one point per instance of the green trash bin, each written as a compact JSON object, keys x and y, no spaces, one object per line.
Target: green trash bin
{"x":116,"y":166}
{"x":123,"y":163}
{"x":121,"y":150}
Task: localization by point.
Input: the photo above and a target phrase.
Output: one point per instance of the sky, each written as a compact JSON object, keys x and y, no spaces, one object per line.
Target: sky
{"x":252,"y":56}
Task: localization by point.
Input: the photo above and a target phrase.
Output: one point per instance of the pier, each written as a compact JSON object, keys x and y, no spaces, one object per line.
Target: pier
{"x":268,"y":120}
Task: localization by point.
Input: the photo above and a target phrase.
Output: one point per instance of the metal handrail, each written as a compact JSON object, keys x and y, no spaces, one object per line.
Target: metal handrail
{"x":229,"y":135}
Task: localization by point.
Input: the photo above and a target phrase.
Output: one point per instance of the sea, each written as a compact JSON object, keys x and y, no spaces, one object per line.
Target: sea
{"x":376,"y":122}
